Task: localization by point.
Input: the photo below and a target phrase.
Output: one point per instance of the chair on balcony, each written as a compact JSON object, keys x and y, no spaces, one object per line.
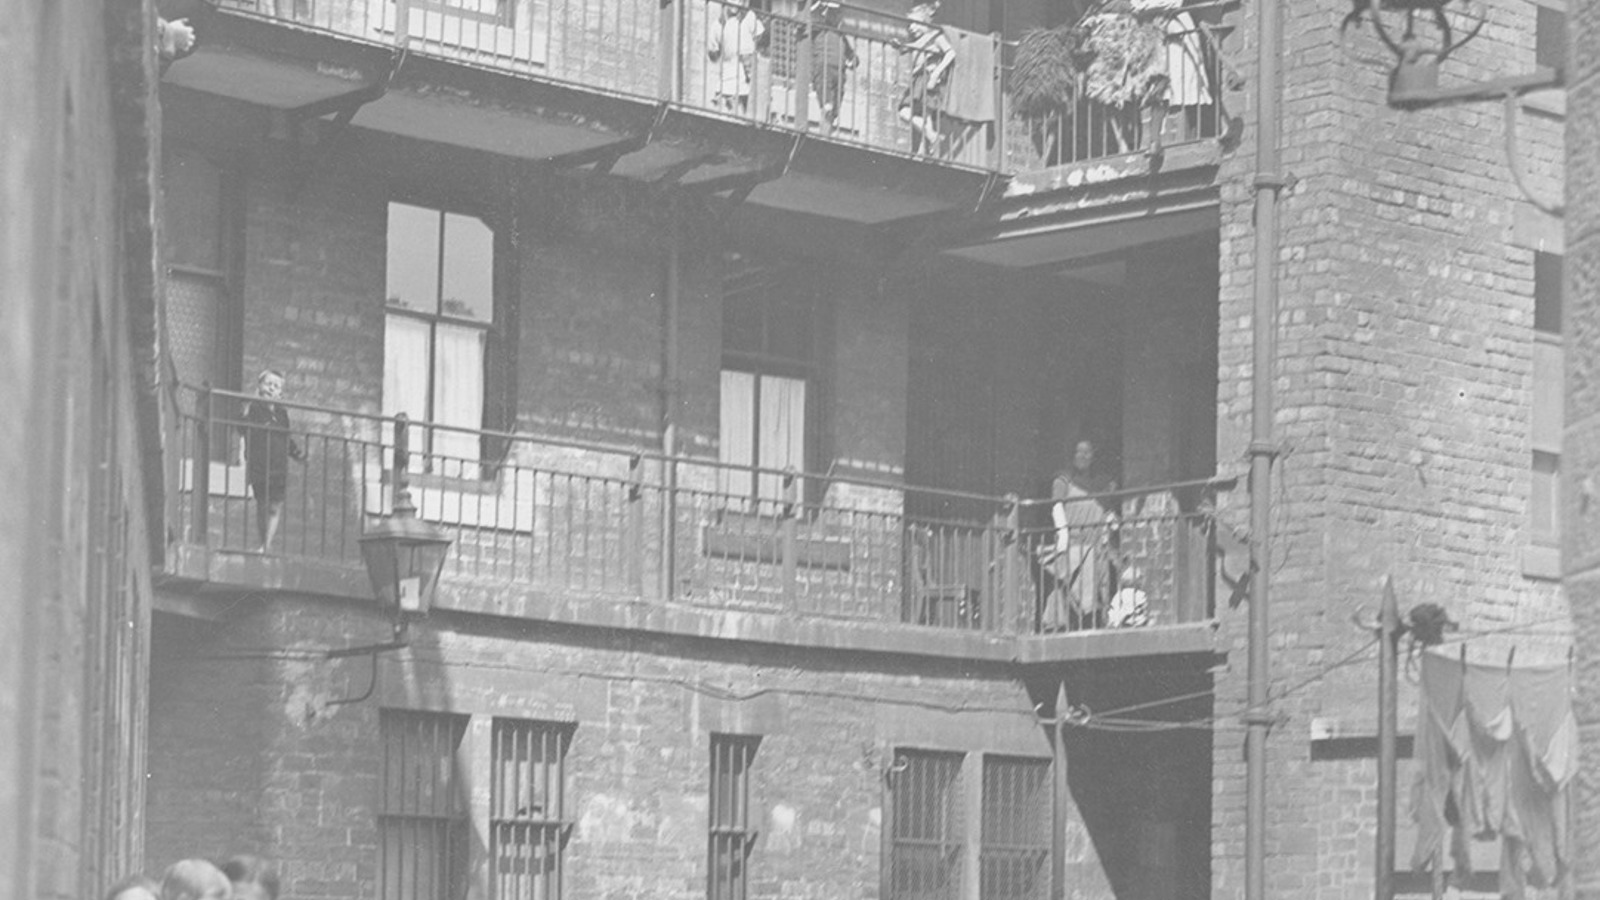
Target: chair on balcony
{"x":936,"y":598}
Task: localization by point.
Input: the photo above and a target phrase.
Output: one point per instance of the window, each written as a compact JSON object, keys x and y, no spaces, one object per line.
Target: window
{"x":767,"y":398}
{"x":422,"y":819}
{"x":926,"y":837}
{"x":440,"y":301}
{"x":731,"y":838}
{"x":487,"y":12}
{"x":203,"y":233}
{"x":1549,"y":363}
{"x":1015,"y":854}
{"x":528,"y":827}
{"x":1550,"y":37}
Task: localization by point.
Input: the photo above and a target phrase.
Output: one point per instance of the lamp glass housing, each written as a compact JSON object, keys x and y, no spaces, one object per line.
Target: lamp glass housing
{"x":404,"y":556}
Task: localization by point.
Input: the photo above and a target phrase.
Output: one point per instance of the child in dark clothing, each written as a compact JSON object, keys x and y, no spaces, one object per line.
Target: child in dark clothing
{"x":267,"y":448}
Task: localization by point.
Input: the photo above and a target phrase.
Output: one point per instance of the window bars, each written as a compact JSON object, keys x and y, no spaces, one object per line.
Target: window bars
{"x":1014,"y":857}
{"x":527,"y":821}
{"x":730,"y":837}
{"x":926,"y":834}
{"x":422,"y":822}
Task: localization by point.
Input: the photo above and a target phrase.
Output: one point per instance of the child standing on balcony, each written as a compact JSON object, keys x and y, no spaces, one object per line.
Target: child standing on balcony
{"x":832,"y":54}
{"x":267,"y":447}
{"x":732,"y":46}
{"x":923,"y":100}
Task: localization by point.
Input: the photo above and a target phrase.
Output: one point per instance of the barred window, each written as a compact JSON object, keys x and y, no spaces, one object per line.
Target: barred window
{"x":731,"y":838}
{"x":926,"y":833}
{"x":422,"y":818}
{"x":1014,"y":857}
{"x":527,"y":820}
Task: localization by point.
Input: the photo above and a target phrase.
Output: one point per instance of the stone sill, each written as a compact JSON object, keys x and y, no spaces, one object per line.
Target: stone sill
{"x":1541,"y":562}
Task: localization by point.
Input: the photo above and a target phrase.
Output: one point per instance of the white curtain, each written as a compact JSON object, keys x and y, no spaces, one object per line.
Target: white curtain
{"x":783,"y":431}
{"x":405,"y":367}
{"x":457,"y":396}
{"x":737,"y":431}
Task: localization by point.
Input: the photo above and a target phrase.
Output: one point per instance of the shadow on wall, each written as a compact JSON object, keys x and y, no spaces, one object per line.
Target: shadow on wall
{"x":1140,"y":822}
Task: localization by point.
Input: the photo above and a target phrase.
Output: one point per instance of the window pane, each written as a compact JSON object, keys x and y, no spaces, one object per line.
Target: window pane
{"x":1547,"y":292}
{"x":741,"y":320}
{"x":405,"y":367}
{"x":1544,"y":506}
{"x":193,"y":197}
{"x":789,"y":326}
{"x":413,"y":252}
{"x":1015,"y":854}
{"x":783,"y":430}
{"x":457,"y":391}
{"x":737,"y":430}
{"x":194,"y":305}
{"x":1549,"y":390}
{"x":927,"y":835}
{"x":468,"y":268}
{"x":1550,"y":38}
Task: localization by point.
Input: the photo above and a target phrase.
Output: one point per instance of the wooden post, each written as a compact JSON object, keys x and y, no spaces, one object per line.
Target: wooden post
{"x":1388,"y":727}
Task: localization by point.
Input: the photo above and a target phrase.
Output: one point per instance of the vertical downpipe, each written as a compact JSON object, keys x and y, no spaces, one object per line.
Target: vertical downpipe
{"x":669,"y":420}
{"x":1388,"y":730}
{"x":1267,"y":182}
{"x":1060,"y":796}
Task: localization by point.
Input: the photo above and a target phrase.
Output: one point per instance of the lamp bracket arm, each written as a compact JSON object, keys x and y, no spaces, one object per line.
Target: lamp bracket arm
{"x":1514,"y":160}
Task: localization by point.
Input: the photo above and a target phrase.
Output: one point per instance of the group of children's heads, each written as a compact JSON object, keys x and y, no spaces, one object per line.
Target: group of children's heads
{"x":243,"y":877}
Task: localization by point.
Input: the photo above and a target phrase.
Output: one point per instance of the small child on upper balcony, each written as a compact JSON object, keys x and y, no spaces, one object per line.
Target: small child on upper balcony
{"x":932,"y":57}
{"x":267,"y":447}
{"x":732,"y":47}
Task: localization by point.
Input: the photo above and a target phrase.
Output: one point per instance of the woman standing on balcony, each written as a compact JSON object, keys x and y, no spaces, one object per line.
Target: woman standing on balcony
{"x":1077,"y":561}
{"x":732,"y":46}
{"x":267,"y":447}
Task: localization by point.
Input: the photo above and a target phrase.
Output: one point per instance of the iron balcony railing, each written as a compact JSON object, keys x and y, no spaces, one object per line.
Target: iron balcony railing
{"x":1184,"y":107}
{"x":834,"y":70}
{"x":613,"y":522}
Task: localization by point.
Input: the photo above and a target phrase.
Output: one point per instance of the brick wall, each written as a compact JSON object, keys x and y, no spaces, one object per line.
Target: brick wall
{"x":1583,"y":356}
{"x":1403,"y":396}
{"x":250,"y":753}
{"x":73,"y":536}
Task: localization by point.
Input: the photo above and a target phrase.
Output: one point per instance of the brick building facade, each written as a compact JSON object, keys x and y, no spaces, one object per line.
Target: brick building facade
{"x":83,"y":523}
{"x":839,"y":680}
{"x":1577,"y":557}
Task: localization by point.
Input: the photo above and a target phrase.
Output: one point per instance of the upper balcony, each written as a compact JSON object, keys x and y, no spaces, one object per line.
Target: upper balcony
{"x":620,"y":537}
{"x":812,"y":77}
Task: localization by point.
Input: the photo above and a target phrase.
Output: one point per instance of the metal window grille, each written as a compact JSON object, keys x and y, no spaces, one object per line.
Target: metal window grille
{"x":927,"y":833}
{"x":1014,"y":856}
{"x":422,"y":822}
{"x":527,"y":819}
{"x":731,"y":839}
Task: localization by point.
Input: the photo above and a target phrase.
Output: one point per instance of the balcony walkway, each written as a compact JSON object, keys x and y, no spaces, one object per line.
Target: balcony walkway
{"x":844,"y":78}
{"x":614,"y":537}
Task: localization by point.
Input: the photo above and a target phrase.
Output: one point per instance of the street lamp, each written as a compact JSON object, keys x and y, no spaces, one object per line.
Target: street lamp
{"x":404,"y":556}
{"x":1421,"y":34}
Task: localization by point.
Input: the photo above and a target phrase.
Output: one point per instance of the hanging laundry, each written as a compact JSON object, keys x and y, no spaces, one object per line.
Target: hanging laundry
{"x":1496,"y":746}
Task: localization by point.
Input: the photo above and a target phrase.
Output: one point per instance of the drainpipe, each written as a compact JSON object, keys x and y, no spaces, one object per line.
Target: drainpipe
{"x":669,"y":420}
{"x":1268,"y":182}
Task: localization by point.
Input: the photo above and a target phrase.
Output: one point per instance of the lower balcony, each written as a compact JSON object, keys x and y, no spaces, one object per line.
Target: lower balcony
{"x":616,"y":537}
